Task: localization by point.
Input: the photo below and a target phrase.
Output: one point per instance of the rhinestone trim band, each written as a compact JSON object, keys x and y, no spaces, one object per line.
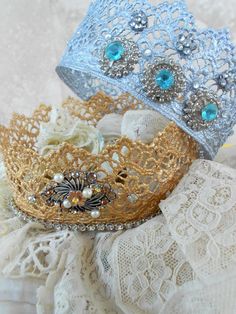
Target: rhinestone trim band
{"x":79,"y":227}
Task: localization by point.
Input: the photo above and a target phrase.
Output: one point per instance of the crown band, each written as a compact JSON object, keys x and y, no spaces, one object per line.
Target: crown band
{"x":157,"y":55}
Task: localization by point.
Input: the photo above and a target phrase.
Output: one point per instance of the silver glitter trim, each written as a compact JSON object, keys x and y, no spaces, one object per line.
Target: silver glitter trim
{"x":149,"y":80}
{"x":126,"y":64}
{"x":193,"y":109}
{"x":79,"y":227}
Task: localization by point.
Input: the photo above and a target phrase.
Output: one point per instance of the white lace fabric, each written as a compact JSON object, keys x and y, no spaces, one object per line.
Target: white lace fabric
{"x":180,"y":262}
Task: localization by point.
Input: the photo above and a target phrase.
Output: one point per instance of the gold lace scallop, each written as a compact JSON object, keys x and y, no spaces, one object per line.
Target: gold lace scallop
{"x":140,"y":174}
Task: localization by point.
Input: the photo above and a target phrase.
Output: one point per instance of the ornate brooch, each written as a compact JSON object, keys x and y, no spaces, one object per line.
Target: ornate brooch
{"x":163,"y":80}
{"x":201,"y":110}
{"x":119,"y":57}
{"x":77,"y":191}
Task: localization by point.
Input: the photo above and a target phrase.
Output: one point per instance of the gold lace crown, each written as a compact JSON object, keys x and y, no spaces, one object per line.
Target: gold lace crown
{"x":116,"y":189}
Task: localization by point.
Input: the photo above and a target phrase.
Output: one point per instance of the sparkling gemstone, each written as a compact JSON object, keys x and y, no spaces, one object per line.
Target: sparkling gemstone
{"x":114,"y":51}
{"x":31,"y":199}
{"x":209,"y":112}
{"x":132,"y":198}
{"x":139,"y":21}
{"x":76,"y":198}
{"x":165,"y":79}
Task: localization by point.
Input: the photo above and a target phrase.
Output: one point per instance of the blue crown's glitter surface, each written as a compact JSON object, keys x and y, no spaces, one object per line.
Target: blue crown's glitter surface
{"x":164,"y":31}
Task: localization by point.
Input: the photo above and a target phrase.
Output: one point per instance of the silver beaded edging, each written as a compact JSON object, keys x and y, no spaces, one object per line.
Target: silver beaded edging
{"x":78,"y":227}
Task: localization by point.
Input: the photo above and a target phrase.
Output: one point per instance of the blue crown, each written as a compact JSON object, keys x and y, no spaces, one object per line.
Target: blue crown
{"x":157,"y":55}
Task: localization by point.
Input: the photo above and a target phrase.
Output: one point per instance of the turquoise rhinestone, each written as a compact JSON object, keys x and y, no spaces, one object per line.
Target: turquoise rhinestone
{"x":114,"y":51}
{"x":165,"y":79}
{"x":209,"y":112}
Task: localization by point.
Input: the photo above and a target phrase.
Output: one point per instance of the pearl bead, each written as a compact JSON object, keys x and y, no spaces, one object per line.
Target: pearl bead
{"x":87,"y":193}
{"x":147,"y":53}
{"x":66,"y":203}
{"x":58,"y":177}
{"x":95,"y":213}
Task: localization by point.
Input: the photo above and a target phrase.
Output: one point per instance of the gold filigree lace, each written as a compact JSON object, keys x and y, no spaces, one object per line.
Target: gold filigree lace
{"x":140,"y":174}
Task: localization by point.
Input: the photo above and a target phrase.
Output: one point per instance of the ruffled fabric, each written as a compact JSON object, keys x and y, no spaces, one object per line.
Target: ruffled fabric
{"x":180,"y":262}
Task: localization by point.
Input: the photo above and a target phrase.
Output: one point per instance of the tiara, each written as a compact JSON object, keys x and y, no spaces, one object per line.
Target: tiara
{"x":71,"y":188}
{"x":157,"y":54}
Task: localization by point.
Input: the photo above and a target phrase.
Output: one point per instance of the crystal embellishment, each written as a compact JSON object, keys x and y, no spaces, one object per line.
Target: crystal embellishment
{"x":226,"y":80}
{"x":209,"y":112}
{"x":201,"y":110}
{"x":186,"y":44}
{"x":118,"y":57}
{"x":163,"y":80}
{"x":114,"y":51}
{"x":139,"y":21}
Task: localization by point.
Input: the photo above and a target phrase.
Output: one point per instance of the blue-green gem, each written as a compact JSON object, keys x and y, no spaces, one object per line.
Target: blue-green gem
{"x":114,"y":51}
{"x":209,"y":112}
{"x":165,"y":79}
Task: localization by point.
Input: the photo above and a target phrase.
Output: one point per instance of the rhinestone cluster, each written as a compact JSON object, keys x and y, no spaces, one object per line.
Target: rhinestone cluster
{"x":186,"y":44}
{"x":163,"y":80}
{"x":201,"y":110}
{"x":77,"y":191}
{"x":139,"y":21}
{"x":119,"y":57}
{"x":80,"y":227}
{"x":226,"y":80}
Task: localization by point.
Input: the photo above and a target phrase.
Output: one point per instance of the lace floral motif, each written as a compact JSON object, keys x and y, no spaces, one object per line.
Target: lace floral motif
{"x":142,"y":267}
{"x":201,"y":214}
